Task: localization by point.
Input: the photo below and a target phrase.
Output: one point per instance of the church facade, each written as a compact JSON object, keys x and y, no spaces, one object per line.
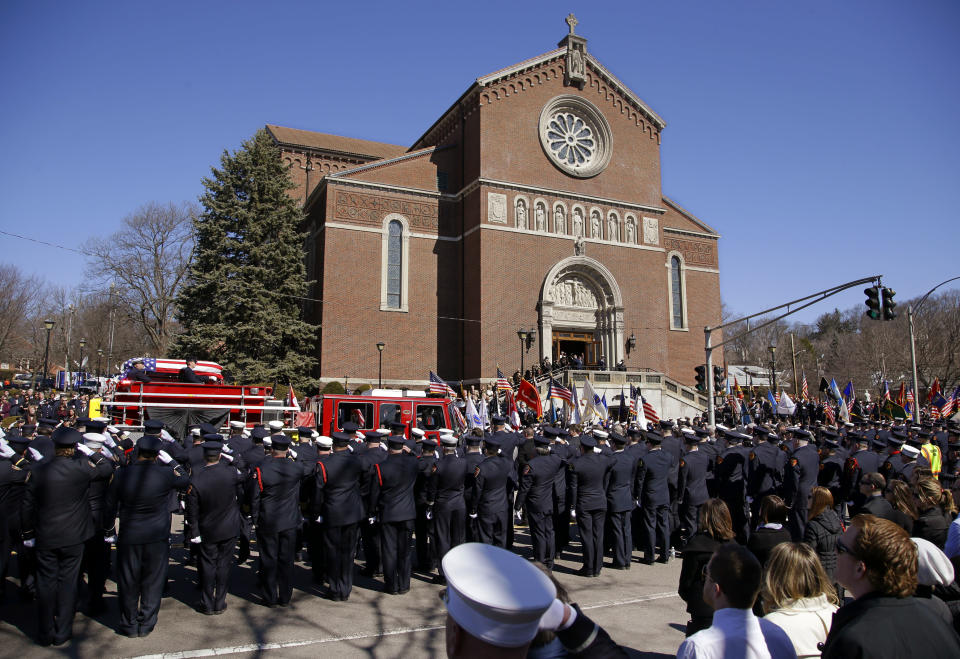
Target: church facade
{"x":532,"y":204}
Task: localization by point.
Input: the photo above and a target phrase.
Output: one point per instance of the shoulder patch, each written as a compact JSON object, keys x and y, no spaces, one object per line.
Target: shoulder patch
{"x":753,"y":455}
{"x":793,"y":462}
{"x":526,"y":469}
{"x":433,"y":468}
{"x":476,"y":471}
{"x":719,"y":459}
{"x":683,"y":463}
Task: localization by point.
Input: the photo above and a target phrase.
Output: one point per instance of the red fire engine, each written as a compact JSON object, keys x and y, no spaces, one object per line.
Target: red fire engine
{"x":378,"y":408}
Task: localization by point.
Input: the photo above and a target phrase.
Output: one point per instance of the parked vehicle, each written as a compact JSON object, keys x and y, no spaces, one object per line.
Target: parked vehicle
{"x":378,"y":408}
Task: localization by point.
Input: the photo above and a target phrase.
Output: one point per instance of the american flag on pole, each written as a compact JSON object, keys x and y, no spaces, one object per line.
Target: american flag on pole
{"x":502,"y":383}
{"x":557,"y":390}
{"x":170,"y":366}
{"x":886,"y":391}
{"x":648,"y":411}
{"x":909,"y":406}
{"x":828,"y":413}
{"x":438,"y":386}
{"x":633,"y":400}
{"x":804,"y":390}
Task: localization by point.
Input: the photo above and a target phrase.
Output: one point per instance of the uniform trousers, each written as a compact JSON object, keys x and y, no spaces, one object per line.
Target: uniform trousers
{"x":621,"y":537}
{"x":276,"y":565}
{"x":57,"y":573}
{"x":542,"y":537}
{"x":492,"y":527}
{"x":313,"y":533}
{"x":561,"y":530}
{"x":11,"y":541}
{"x":422,"y":531}
{"x":739,"y":514}
{"x":590,"y":525}
{"x":656,"y":530}
{"x":448,"y":530}
{"x":689,"y":519}
{"x":214,"y":562}
{"x":96,"y":565}
{"x":797,"y":522}
{"x":340,"y":547}
{"x":370,"y":541}
{"x":141,"y":575}
{"x":396,"y":556}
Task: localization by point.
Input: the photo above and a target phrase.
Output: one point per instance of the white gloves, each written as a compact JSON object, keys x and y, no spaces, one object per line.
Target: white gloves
{"x":195,"y":541}
{"x":517,"y":514}
{"x":292,"y":453}
{"x":5,"y":450}
{"x":164,"y":457}
{"x":105,"y":452}
{"x":109,"y":539}
{"x":32,"y":542}
{"x":108,"y":442}
{"x":573,"y":514}
{"x":559,"y":616}
{"x":86,"y":450}
{"x":226,"y":457}
{"x":473,"y":515}
{"x":429,"y":514}
{"x":35,"y":454}
{"x":371,"y":520}
{"x":319,"y":519}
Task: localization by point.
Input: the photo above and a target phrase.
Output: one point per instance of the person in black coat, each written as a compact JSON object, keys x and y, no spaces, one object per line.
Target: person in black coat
{"x":622,"y":494}
{"x":653,"y":474}
{"x":445,"y":503}
{"x":392,"y":503}
{"x":213,"y":512}
{"x":823,"y":529}
{"x":370,"y":530}
{"x":772,"y":529}
{"x":422,"y":527}
{"x":767,"y":464}
{"x":695,"y":466}
{"x":536,"y":495}
{"x":872,"y":501}
{"x":489,"y":500}
{"x":96,"y":552}
{"x":733,"y":473}
{"x":930,"y":524}
{"x":800,"y":477}
{"x":187,"y":374}
{"x":473,"y":455}
{"x":140,"y":496}
{"x":589,"y":478}
{"x":139,"y":373}
{"x":13,"y":478}
{"x":275,"y":508}
{"x":715,"y":529}
{"x":57,"y":520}
{"x":337,"y":505}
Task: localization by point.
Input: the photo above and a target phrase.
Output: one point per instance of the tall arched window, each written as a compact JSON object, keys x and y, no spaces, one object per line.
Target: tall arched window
{"x":394,"y":264}
{"x":676,"y":291}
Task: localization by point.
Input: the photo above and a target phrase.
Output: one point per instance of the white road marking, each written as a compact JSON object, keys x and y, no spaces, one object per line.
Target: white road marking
{"x":258,"y":647}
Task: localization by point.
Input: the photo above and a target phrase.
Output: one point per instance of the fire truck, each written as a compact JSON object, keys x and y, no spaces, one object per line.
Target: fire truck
{"x":378,"y":408}
{"x":178,"y":404}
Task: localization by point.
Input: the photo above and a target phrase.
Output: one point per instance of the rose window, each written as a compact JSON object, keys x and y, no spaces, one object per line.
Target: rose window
{"x":575,"y":136}
{"x":571,"y":139}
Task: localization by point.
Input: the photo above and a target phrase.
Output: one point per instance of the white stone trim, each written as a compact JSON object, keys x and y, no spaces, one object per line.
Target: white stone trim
{"x":551,"y":192}
{"x":687,"y":232}
{"x":683,"y":291}
{"x":696,"y":268}
{"x":404,"y":262}
{"x":358,"y":227}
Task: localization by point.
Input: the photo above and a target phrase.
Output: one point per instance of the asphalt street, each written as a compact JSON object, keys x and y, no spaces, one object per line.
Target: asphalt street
{"x":638,"y":607}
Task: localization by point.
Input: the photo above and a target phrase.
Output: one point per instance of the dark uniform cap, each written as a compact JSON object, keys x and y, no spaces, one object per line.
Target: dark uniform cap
{"x":259,"y":433}
{"x":395,"y":441}
{"x":372,"y":436}
{"x":588,"y":441}
{"x":878,"y":442}
{"x":472,"y":440}
{"x":350,"y":426}
{"x":28,"y":428}
{"x":66,"y":436}
{"x":550,"y":431}
{"x":303,"y":432}
{"x":396,"y":425}
{"x":617,"y":438}
{"x":634,"y":432}
{"x":341,"y":437}
{"x":702,"y":432}
{"x":895,"y":441}
{"x":492,"y":440}
{"x":653,"y":437}
{"x":924,"y":433}
{"x":152,"y":426}
{"x":832,"y":443}
{"x":498,"y":420}
{"x":541,"y":440}
{"x":212,"y":446}
{"x":830,"y":434}
{"x":150,"y":443}
{"x":666,"y":423}
{"x":803,"y":434}
{"x":914,"y":442}
{"x":279,"y":441}
{"x":95,"y":426}
{"x":212,"y":437}
{"x":48,"y":422}
{"x":18,"y":439}
{"x":899,"y":435}
{"x":209,"y":428}
{"x":429,"y":442}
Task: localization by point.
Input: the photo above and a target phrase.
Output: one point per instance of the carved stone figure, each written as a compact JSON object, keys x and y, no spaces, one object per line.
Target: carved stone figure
{"x":631,"y":232}
{"x":559,"y":220}
{"x":577,"y":222}
{"x":595,"y":224}
{"x":579,"y":248}
{"x":651,"y":232}
{"x":540,"y":217}
{"x":575,"y":63}
{"x":613,"y":228}
{"x":521,"y":214}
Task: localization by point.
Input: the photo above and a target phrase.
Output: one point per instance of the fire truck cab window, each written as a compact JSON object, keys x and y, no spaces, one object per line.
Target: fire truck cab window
{"x":429,"y":417}
{"x":389,"y":412}
{"x":360,"y":413}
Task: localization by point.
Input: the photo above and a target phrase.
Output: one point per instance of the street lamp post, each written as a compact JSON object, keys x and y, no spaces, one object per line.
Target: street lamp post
{"x":773,"y":369}
{"x":380,"y":346}
{"x":522,"y":333}
{"x":48,"y":325}
{"x":99,"y":355}
{"x":83,"y":344}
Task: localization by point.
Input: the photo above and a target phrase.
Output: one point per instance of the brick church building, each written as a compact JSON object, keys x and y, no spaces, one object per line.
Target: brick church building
{"x":532,"y":203}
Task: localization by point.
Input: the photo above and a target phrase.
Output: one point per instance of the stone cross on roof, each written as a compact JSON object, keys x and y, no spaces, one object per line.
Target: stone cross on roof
{"x":572,"y":21}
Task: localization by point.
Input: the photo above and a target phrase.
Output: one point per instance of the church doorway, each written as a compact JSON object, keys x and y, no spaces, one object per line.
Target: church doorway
{"x":581,"y":344}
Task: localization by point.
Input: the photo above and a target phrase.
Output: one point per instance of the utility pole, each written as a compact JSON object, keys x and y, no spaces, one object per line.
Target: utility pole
{"x":796,"y":383}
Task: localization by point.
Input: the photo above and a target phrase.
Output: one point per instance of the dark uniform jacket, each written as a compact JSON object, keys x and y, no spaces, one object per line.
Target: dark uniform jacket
{"x":186,"y":374}
{"x":490,"y":479}
{"x":275,"y":495}
{"x":733,"y":472}
{"x":136,"y":375}
{"x":622,"y":488}
{"x":537,"y":484}
{"x":653,"y":474}
{"x":877,"y":627}
{"x":692,"y":486}
{"x":13,"y":480}
{"x":140,"y":494}
{"x":391,"y":488}
{"x":801,"y":476}
{"x":213,"y":501}
{"x":821,"y":534}
{"x":369,"y":458}
{"x":472,"y":459}
{"x":766,"y":469}
{"x":56,"y":507}
{"x":589,"y":477}
{"x":932,"y":525}
{"x":878,"y":506}
{"x":339,"y":480}
{"x":446,"y":483}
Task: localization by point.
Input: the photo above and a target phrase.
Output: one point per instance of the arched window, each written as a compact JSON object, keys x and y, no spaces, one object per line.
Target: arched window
{"x":394,"y":264}
{"x":676,"y":292}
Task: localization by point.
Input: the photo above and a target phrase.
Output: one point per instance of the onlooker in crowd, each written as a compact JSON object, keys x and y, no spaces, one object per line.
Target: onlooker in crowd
{"x":934,"y":570}
{"x":823,"y":529}
{"x":877,"y":564}
{"x":930,"y":523}
{"x":798,"y":596}
{"x":772,"y":528}
{"x":715,"y":530}
{"x":900,"y":497}
{"x":872,"y":485}
{"x":731,"y":586}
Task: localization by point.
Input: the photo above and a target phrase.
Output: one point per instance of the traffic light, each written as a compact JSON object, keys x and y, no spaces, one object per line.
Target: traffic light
{"x":701,"y":377}
{"x":889,"y":304}
{"x":718,"y":379}
{"x":873,"y":302}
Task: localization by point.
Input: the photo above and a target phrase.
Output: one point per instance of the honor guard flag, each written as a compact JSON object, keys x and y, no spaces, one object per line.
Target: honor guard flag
{"x":438,"y":386}
{"x":736,"y":386}
{"x":529,"y":396}
{"x":502,"y":383}
{"x":591,"y":402}
{"x":575,"y":404}
{"x":648,"y":411}
{"x":292,"y":398}
{"x":909,"y":405}
{"x":934,"y":389}
{"x":828,"y":414}
{"x":939,"y":406}
{"x":560,"y":392}
{"x":804,"y":390}
{"x":886,"y":391}
{"x":835,"y":392}
{"x":901,"y":395}
{"x":786,"y":407}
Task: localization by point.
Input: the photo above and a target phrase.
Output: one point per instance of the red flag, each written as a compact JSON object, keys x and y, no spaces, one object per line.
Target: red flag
{"x":902,"y":394}
{"x":530,"y":396}
{"x":934,"y":389}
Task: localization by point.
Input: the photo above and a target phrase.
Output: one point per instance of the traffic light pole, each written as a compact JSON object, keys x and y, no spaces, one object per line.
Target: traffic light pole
{"x":913,"y":349}
{"x":807,"y":301}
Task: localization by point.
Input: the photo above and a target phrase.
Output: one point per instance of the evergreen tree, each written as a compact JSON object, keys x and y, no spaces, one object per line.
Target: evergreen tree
{"x":241,"y":304}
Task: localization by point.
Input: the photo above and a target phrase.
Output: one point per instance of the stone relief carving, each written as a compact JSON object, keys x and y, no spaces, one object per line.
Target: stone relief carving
{"x":613,"y":229}
{"x":521,"y":214}
{"x":694,"y":252}
{"x":573,"y":292}
{"x":541,"y":217}
{"x":497,"y":207}
{"x":371,"y":209}
{"x":559,"y":220}
{"x":651,"y":230}
{"x":631,"y":231}
{"x":579,"y":248}
{"x":577,"y":222}
{"x":595,"y":224}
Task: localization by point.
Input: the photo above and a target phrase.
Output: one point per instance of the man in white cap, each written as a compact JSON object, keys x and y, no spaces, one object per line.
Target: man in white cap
{"x":497,"y":602}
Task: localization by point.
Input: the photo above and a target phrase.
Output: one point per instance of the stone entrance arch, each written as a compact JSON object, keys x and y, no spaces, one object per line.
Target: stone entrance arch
{"x":580,"y":293}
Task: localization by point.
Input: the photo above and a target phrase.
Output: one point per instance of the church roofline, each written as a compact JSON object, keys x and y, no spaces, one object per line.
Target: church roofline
{"x":333,"y":144}
{"x":690,"y":216}
{"x":388,"y":161}
{"x":623,"y":89}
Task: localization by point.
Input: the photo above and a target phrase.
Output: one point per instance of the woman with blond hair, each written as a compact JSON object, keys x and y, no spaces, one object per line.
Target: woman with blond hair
{"x":930,"y":524}
{"x":798,"y":596}
{"x":823,"y":529}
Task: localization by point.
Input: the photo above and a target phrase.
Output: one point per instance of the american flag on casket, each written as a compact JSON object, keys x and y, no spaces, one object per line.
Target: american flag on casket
{"x":172,"y":366}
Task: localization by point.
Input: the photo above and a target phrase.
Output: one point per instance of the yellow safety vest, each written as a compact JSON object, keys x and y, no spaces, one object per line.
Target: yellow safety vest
{"x":932,"y":454}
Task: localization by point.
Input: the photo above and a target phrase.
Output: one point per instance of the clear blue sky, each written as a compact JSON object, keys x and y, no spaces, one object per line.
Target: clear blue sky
{"x":823,"y":130}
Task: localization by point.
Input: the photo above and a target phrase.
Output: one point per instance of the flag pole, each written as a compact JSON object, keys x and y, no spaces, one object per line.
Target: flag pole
{"x":796,"y":383}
